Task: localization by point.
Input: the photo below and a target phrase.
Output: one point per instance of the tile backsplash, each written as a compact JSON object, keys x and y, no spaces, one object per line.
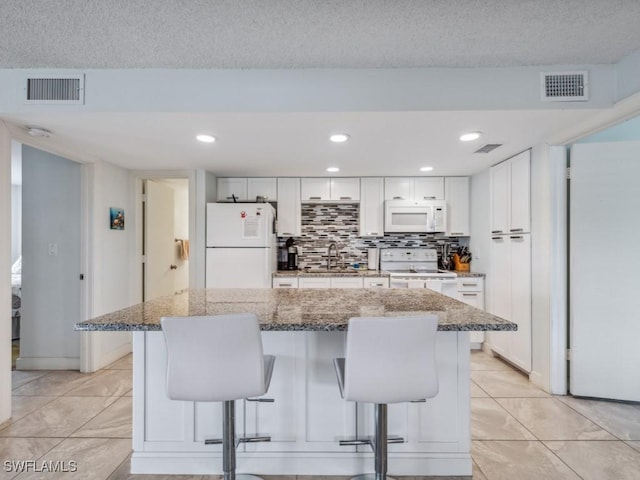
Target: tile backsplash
{"x":339,"y":223}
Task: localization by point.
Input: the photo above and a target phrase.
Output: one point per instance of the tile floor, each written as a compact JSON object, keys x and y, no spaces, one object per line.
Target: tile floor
{"x":519,"y":432}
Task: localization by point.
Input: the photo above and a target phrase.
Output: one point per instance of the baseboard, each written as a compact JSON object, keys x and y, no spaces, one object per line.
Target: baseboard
{"x":48,"y":363}
{"x":113,"y":355}
{"x":476,"y":345}
{"x":538,"y":380}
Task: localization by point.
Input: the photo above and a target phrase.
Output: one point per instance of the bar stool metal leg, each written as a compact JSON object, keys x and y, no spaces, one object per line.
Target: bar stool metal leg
{"x":380,"y":441}
{"x":229,"y":440}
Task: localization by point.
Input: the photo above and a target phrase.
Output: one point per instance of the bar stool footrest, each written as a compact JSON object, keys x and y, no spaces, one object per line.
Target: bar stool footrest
{"x":255,"y":439}
{"x":213,"y":441}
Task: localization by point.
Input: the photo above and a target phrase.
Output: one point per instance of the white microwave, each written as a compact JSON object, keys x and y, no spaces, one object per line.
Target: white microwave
{"x":407,"y":216}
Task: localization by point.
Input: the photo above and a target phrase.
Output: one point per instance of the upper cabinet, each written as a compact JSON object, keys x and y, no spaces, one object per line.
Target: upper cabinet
{"x":414,"y":188}
{"x":289,"y":208}
{"x":228,"y":188}
{"x":330,"y":189}
{"x":510,"y":195}
{"x":371,"y":207}
{"x":247,"y":189}
{"x":456,"y":194}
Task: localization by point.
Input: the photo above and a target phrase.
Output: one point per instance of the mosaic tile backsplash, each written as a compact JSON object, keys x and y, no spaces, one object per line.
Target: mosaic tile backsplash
{"x":339,"y":223}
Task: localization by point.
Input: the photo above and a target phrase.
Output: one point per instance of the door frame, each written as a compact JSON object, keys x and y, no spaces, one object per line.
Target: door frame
{"x":138,"y":177}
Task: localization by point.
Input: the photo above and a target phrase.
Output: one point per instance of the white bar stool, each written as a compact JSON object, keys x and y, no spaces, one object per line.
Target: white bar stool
{"x":388,"y":360}
{"x":218,"y":359}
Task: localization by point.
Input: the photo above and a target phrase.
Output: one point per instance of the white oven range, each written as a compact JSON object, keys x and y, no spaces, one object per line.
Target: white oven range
{"x":417,"y":268}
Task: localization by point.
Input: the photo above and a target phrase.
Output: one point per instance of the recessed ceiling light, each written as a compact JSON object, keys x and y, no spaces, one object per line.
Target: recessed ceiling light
{"x":35,"y":131}
{"x":468,"y":137}
{"x":206,"y":138}
{"x":333,"y":169}
{"x":339,"y":137}
{"x":426,"y":169}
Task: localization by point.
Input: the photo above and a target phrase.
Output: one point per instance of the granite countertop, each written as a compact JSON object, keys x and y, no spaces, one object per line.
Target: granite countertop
{"x":302,"y":309}
{"x":335,"y":272}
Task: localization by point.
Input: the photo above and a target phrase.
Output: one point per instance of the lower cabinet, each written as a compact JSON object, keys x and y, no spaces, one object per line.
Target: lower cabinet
{"x":285,"y":282}
{"x":471,"y":292}
{"x":330,"y":282}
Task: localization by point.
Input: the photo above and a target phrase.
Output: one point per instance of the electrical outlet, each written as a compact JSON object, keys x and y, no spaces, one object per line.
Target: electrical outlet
{"x":53,"y":249}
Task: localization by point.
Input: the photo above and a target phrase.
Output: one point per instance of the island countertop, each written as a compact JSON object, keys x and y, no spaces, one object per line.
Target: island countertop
{"x":301,"y":309}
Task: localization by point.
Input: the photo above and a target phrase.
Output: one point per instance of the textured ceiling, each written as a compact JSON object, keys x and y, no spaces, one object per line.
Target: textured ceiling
{"x":314,"y":33}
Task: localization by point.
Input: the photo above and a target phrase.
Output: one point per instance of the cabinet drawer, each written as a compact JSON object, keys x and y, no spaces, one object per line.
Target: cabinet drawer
{"x":314,"y":282}
{"x":346,"y":282}
{"x":285,"y":282}
{"x":471,"y":284}
{"x":376,"y":282}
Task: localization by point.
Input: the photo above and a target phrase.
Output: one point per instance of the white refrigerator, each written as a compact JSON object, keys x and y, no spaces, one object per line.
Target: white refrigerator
{"x":241,"y":245}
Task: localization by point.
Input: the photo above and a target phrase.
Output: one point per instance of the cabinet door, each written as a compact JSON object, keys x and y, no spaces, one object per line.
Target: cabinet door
{"x":228,"y":187}
{"x":428,"y":188}
{"x":520,"y":353}
{"x":314,"y":282}
{"x":346,"y":282}
{"x":289,"y":208}
{"x":475,"y":299}
{"x":263,"y":187}
{"x":500,"y":301}
{"x":499,"y":198}
{"x":315,"y":189}
{"x":398,"y":188}
{"x":371,"y":207}
{"x":456,"y":193}
{"x":285,"y":282}
{"x":519,"y":216}
{"x":345,"y":188}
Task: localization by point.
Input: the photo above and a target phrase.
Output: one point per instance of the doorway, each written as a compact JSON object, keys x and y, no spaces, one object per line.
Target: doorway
{"x":165,"y":236}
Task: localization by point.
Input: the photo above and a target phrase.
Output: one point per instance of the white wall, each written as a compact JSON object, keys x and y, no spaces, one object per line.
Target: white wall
{"x":113,"y":252}
{"x":5,"y":278}
{"x":204,"y":192}
{"x":16,"y":222}
{"x":51,"y":289}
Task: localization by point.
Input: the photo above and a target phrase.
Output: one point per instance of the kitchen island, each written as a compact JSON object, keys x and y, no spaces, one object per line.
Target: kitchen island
{"x":305,"y":329}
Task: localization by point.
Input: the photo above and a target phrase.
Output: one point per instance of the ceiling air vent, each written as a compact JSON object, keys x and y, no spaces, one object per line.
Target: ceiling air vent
{"x":565,"y":86}
{"x":54,"y":90}
{"x":489,"y":147}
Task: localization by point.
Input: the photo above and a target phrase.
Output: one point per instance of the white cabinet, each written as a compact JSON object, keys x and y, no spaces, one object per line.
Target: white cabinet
{"x":285,"y":282}
{"x":375,"y":282}
{"x":314,"y":282}
{"x":346,"y":282}
{"x":371,"y":207}
{"x":510,"y":195}
{"x":246,"y":189}
{"x":471,"y":291}
{"x":329,"y":189}
{"x":230,"y":187}
{"x":456,"y":194}
{"x":510,"y":275}
{"x":289,"y":208}
{"x":428,"y":188}
{"x":414,"y":188}
{"x":262,"y":187}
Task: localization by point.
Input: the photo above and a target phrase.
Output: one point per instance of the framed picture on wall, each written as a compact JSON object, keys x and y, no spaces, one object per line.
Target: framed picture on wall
{"x":116,"y":218}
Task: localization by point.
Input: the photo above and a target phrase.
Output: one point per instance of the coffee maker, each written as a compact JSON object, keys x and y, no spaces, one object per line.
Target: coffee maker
{"x":292,"y":254}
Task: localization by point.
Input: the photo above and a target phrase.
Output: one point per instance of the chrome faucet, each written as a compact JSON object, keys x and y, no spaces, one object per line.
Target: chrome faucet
{"x":334,"y":246}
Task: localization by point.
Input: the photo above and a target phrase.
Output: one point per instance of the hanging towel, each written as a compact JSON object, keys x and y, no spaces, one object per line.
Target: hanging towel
{"x":183,"y":246}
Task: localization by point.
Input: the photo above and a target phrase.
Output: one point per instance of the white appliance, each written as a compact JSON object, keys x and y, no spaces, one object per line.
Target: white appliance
{"x":241,"y":245}
{"x":417,"y":268}
{"x":415,"y":216}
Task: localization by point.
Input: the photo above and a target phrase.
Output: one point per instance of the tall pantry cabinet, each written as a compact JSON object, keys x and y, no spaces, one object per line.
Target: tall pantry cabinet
{"x":510,"y":263}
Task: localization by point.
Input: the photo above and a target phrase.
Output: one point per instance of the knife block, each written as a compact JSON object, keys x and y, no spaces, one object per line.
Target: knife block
{"x":460,"y":267}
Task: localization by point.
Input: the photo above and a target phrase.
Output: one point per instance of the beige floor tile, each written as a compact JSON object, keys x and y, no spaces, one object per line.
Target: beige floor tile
{"x":477,"y":392}
{"x":519,"y":460}
{"x":22,"y":377}
{"x":22,"y":449}
{"x":113,"y":422}
{"x":129,"y":393}
{"x":23,"y":405}
{"x":619,"y":419}
{"x":484,"y":361}
{"x":96,"y":458}
{"x":123,"y":473}
{"x":58,"y":418}
{"x":550,"y":419}
{"x":506,"y":384}
{"x":125,"y":363}
{"x":108,"y":383}
{"x":477,"y":473}
{"x":489,"y":421}
{"x":54,"y":383}
{"x":635,"y":445}
{"x":599,"y":460}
